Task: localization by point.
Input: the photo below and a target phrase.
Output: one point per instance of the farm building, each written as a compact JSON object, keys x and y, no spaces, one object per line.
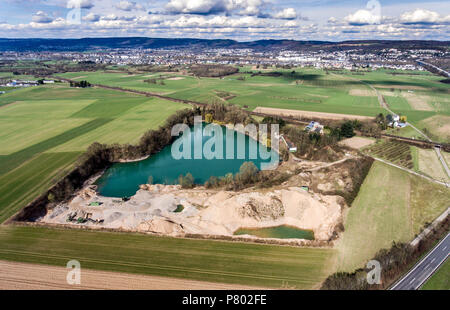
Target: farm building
{"x":392,"y":120}
{"x":315,"y":127}
{"x":291,"y":146}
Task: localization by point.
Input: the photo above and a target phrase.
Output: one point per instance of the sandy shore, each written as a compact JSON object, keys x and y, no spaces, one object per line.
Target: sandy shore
{"x":22,"y":276}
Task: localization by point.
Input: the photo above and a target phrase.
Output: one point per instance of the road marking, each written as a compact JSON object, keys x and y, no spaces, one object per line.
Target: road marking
{"x":444,"y":248}
{"x":433,"y":259}
{"x":412,"y":280}
{"x":400,"y":281}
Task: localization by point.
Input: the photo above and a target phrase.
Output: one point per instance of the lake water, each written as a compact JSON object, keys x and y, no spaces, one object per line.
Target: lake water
{"x":279,"y":232}
{"x":123,"y":179}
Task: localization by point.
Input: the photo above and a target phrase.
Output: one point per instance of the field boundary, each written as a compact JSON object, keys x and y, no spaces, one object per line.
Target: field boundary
{"x":231,"y":239}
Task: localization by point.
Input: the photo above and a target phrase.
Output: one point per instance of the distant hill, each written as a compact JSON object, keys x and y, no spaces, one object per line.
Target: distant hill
{"x":87,"y":44}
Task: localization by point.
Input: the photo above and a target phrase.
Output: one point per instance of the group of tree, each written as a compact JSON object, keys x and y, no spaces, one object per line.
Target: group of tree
{"x":248,"y":176}
{"x":228,"y":113}
{"x":155,"y":81}
{"x":213,"y":70}
{"x":186,"y":181}
{"x":314,"y":146}
{"x":42,"y":69}
{"x":394,"y":263}
{"x":81,"y":84}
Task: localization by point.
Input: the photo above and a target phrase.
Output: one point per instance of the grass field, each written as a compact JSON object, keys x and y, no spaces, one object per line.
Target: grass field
{"x":418,"y":95}
{"x":440,"y":280}
{"x":44,"y":129}
{"x":429,"y":164}
{"x":306,"y":89}
{"x":215,"y":261}
{"x":23,"y":184}
{"x":392,"y":205}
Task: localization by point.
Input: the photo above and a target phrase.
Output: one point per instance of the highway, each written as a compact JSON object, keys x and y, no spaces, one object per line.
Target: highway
{"x":418,"y":275}
{"x":433,"y":66}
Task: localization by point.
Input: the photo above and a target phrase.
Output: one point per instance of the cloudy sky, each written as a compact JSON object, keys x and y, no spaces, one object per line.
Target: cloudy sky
{"x":241,"y":20}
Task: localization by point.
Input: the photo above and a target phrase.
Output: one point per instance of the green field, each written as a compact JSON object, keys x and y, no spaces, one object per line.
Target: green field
{"x":306,"y":89}
{"x":420,"y":96}
{"x":23,"y":184}
{"x":43,"y":130}
{"x":392,"y":205}
{"x":299,"y":89}
{"x":440,"y":280}
{"x":214,"y":261}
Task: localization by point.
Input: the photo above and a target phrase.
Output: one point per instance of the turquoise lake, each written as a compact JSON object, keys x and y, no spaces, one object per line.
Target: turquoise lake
{"x":123,"y":179}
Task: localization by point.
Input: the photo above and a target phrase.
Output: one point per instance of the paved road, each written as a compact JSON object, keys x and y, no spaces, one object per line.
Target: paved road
{"x":437,"y":68}
{"x":384,"y":105}
{"x":444,"y":163}
{"x":417,"y":276}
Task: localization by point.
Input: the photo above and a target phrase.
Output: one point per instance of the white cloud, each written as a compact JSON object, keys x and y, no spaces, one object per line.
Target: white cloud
{"x":129,"y":6}
{"x":41,"y":17}
{"x":206,"y":7}
{"x":197,"y":6}
{"x":332,"y":20}
{"x":363,"y":17}
{"x":249,"y":7}
{"x":91,"y":17}
{"x":238,"y":19}
{"x":83,"y":4}
{"x":112,"y":17}
{"x":420,"y":16}
{"x":288,"y":13}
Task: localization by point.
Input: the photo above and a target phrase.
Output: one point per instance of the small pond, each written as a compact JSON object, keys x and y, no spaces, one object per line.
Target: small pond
{"x":278,"y":232}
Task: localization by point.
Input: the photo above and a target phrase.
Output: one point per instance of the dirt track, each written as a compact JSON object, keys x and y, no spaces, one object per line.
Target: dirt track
{"x":22,"y":276}
{"x":309,"y":114}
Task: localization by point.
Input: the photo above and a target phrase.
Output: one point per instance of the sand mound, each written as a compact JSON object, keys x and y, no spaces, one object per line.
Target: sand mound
{"x":206,"y":212}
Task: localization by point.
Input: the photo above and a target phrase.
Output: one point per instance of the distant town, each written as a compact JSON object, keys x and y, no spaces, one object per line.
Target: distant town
{"x":350,"y":59}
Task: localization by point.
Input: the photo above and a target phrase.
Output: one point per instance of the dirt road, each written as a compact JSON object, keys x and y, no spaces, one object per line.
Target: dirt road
{"x":309,"y":114}
{"x":21,"y":276}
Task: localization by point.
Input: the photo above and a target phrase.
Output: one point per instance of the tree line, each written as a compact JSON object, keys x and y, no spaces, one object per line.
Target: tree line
{"x":394,"y":263}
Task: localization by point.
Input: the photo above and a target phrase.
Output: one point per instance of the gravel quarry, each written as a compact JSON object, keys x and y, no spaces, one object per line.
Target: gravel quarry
{"x":156,"y":209}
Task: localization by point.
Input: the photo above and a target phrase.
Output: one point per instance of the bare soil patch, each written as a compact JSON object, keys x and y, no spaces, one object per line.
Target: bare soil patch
{"x":430,"y":164}
{"x":309,"y":114}
{"x":357,"y":142}
{"x":177,"y":78}
{"x":417,"y":102}
{"x":21,"y":276}
{"x":438,"y":125}
{"x":403,"y":87}
{"x":318,"y":96}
